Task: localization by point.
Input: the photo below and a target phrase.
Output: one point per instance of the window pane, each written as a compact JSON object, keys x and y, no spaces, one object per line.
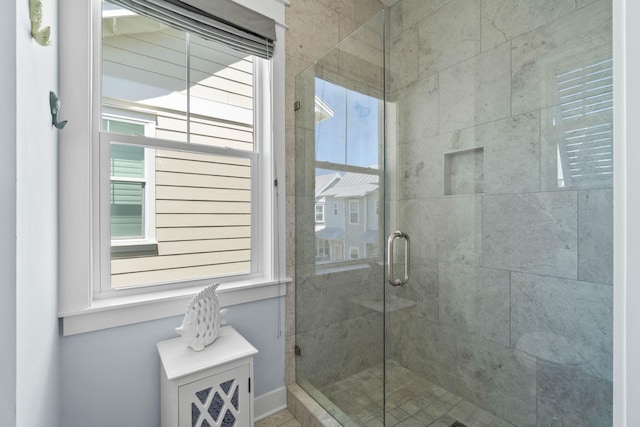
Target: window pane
{"x":351,"y":228}
{"x":194,"y":90}
{"x":330,"y":122}
{"x":202,"y":221}
{"x":144,"y":69}
{"x":347,"y":126}
{"x":127,"y":210}
{"x":221,"y":95}
{"x":118,"y":126}
{"x":127,"y":161}
{"x":362,"y":130}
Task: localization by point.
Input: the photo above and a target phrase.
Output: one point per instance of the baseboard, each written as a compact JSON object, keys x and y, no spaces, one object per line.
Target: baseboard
{"x":269,"y":403}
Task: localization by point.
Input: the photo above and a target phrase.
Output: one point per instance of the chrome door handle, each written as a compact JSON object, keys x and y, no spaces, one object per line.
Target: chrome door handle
{"x":395,"y":235}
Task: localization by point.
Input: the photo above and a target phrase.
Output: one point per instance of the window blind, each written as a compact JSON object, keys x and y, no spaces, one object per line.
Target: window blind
{"x":223,"y":21}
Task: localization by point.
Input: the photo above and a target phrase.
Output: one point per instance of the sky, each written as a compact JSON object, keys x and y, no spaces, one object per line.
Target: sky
{"x":351,"y":135}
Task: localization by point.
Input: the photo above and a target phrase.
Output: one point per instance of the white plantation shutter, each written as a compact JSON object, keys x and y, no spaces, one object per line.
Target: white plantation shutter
{"x":584,"y":118}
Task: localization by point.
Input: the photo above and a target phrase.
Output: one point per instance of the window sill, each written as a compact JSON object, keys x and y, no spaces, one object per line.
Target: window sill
{"x":130,"y":248}
{"x":121,"y":311}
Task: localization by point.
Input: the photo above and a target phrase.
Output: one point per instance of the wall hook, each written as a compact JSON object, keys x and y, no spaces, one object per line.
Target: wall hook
{"x":41,"y":36}
{"x":54,"y":103}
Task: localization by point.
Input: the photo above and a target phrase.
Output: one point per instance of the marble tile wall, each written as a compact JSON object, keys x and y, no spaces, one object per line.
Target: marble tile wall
{"x":512,"y":282}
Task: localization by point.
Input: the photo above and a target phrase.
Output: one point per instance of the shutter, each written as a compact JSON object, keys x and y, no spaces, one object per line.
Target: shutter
{"x":584,"y":116}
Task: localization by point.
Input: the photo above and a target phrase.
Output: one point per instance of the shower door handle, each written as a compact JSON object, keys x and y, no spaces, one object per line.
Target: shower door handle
{"x":395,"y":235}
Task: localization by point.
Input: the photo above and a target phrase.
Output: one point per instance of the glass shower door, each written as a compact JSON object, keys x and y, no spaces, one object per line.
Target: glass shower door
{"x":340,"y":228}
{"x":499,"y":167}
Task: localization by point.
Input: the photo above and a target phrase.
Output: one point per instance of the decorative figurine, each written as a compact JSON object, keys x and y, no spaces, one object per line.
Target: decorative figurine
{"x":201,"y":324}
{"x":41,"y":36}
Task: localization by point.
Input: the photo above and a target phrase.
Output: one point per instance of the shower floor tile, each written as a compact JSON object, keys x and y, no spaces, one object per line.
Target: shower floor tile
{"x":412,"y":401}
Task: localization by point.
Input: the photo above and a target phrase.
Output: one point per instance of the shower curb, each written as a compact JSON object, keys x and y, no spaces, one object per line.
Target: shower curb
{"x":306,"y":410}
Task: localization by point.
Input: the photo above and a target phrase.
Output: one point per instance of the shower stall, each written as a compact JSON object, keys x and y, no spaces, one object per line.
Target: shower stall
{"x":454,"y":217}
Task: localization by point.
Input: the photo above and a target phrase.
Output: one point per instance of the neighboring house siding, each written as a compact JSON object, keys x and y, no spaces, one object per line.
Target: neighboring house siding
{"x":203,"y":222}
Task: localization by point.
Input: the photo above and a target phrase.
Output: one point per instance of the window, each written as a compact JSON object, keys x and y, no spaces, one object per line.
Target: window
{"x":181,"y":152}
{"x":348,"y":130}
{"x":132,"y":189}
{"x":200,"y":95}
{"x":319,"y":212}
{"x":354,"y":211}
{"x":322,"y":249}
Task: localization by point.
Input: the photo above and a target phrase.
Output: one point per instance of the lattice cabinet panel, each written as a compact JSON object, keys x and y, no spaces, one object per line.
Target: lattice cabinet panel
{"x":209,"y":388}
{"x":217,"y":401}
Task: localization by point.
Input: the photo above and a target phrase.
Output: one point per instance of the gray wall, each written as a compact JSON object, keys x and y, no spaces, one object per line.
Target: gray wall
{"x":8,"y":216}
{"x":112,"y":377}
{"x":37,"y":345}
{"x":512,"y":273}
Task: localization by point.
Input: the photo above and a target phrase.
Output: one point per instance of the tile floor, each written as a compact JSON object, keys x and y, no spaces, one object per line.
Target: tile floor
{"x":279,"y":419}
{"x":412,"y":401}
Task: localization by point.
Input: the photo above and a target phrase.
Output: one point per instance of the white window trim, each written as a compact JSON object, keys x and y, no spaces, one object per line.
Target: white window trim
{"x":79,"y":211}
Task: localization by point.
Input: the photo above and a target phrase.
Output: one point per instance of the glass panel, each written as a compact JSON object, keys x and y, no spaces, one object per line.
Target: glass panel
{"x":118,"y":126}
{"x":499,"y":120}
{"x":201,"y":218}
{"x":144,"y":69}
{"x":187,"y":88}
{"x":347,"y":125}
{"x":221,"y":95}
{"x":498,"y":144}
{"x":127,"y":197}
{"x":127,"y":210}
{"x":127,"y":161}
{"x":339,"y":293}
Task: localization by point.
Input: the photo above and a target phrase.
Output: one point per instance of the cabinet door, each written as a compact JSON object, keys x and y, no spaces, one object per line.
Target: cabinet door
{"x":220,"y":400}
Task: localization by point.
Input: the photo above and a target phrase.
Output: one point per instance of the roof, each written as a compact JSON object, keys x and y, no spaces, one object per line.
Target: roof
{"x":352,"y":184}
{"x":325,"y":181}
{"x":330,"y":233}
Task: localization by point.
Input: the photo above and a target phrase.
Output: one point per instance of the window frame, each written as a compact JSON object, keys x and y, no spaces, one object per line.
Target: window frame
{"x":79,"y":231}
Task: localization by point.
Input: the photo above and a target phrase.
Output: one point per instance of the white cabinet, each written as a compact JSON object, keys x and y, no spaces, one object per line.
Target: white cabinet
{"x":210,"y":388}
